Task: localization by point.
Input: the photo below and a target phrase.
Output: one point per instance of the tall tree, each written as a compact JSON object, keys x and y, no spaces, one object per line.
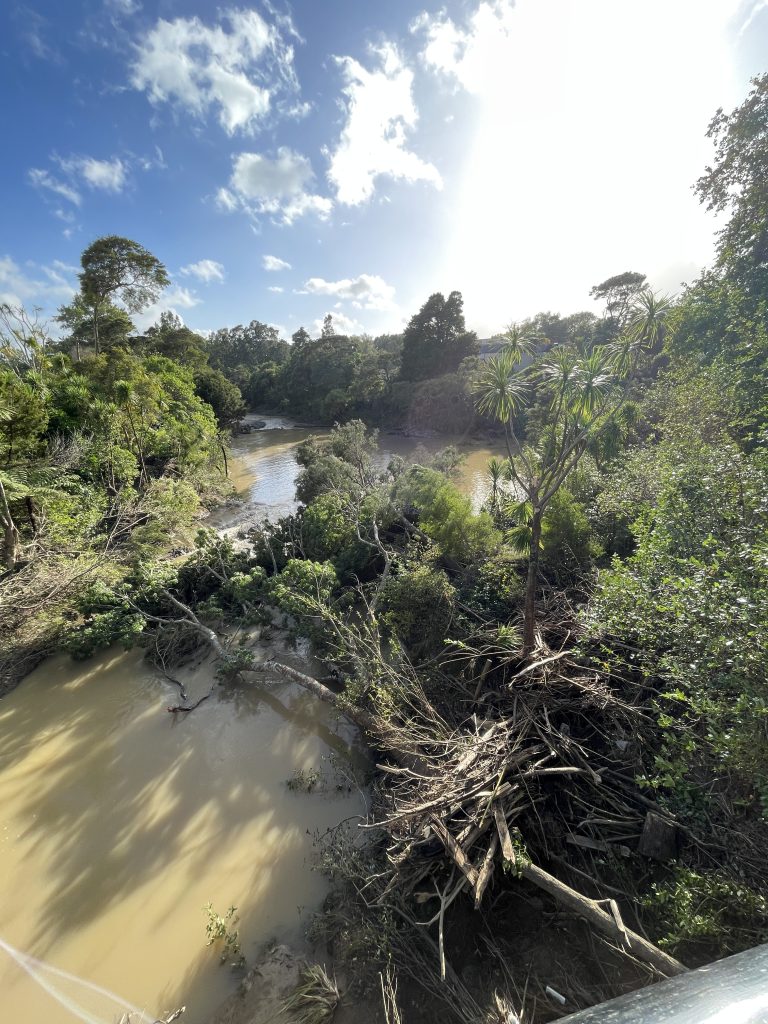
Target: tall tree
{"x":436,"y":339}
{"x":737,"y":182}
{"x":246,"y":346}
{"x":110,"y":325}
{"x":618,"y":293}
{"x":300,"y":337}
{"x":328,"y":331}
{"x":116,"y":267}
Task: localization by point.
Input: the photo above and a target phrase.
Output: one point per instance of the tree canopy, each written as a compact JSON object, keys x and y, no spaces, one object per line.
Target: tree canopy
{"x":436,"y":339}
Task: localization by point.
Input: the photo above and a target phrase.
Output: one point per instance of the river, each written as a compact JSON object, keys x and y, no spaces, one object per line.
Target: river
{"x":119,"y":822}
{"x":264,"y":469}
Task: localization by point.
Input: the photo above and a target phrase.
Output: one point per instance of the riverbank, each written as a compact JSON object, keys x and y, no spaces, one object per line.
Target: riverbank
{"x":120,"y":822}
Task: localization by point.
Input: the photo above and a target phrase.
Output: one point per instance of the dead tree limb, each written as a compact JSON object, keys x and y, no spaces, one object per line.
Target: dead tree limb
{"x":606,"y":923}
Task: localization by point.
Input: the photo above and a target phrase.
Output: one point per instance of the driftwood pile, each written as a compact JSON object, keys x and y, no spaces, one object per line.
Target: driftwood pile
{"x":538,"y":774}
{"x":492,"y":764}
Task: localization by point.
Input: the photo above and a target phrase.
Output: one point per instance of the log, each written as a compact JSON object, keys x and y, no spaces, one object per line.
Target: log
{"x":603,"y":922}
{"x":507,"y":847}
{"x":572,"y":900}
{"x":460,"y":858}
{"x":486,"y":870}
{"x":359,"y":716}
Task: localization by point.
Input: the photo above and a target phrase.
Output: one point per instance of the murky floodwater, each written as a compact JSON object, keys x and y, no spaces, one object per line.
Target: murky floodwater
{"x":265,"y":470}
{"x":119,"y":822}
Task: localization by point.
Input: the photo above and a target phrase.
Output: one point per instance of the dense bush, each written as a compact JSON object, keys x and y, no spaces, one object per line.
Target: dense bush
{"x":418,"y":603}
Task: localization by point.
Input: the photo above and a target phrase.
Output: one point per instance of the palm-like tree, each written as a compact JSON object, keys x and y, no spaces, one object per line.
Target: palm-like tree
{"x":519,"y":341}
{"x":649,"y":317}
{"x":584,"y":394}
{"x":500,"y":393}
{"x":497,"y":469}
{"x":646,"y":328}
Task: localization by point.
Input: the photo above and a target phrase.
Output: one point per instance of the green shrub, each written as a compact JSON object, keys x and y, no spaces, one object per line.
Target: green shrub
{"x":707,"y":913}
{"x":418,"y":604}
{"x":568,"y":542}
{"x":494,"y":587}
{"x":446,"y":515}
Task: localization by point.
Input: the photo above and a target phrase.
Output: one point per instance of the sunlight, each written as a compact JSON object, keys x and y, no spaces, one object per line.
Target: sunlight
{"x":581,"y":150}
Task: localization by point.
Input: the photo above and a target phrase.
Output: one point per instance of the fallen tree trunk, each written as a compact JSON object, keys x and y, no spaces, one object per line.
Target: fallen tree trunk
{"x":360,"y":717}
{"x":606,"y":923}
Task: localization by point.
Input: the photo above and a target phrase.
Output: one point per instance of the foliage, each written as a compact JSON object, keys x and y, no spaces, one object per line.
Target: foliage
{"x":696,"y":910}
{"x":494,"y":587}
{"x":736,"y":182}
{"x":342,"y":464}
{"x":618,"y":293}
{"x":329,"y":531}
{"x":691,"y":602}
{"x":436,"y":339}
{"x":23,"y":419}
{"x":300,"y":588}
{"x":117,"y":626}
{"x":315,"y":998}
{"x":219,"y":930}
{"x":81,"y":321}
{"x":119,"y":267}
{"x":222,"y":396}
{"x":418,"y":603}
{"x":445,"y":515}
{"x":568,"y":542}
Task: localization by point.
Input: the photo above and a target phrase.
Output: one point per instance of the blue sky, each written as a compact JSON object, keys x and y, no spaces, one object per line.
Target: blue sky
{"x":345,"y":156}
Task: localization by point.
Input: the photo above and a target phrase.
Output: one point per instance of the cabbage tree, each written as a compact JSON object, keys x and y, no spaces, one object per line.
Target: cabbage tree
{"x":583,"y":395}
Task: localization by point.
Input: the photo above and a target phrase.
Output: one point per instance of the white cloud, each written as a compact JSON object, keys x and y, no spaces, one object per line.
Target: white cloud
{"x":17,"y":287}
{"x":275,"y":288}
{"x":367,"y":291}
{"x":225,"y":200}
{"x":380,"y":113}
{"x":172,"y":300}
{"x":152,"y":163}
{"x":204,"y":270}
{"x":274,"y":263}
{"x":103,"y":175}
{"x":341,"y":324}
{"x":236,"y":67}
{"x":123,"y":8}
{"x":42,"y":179}
{"x":275,"y":186}
{"x":33,"y":29}
{"x":106,"y":175}
{"x":181,"y":297}
{"x":471,"y":56}
{"x":302,"y":204}
{"x":757,"y":9}
{"x":256,"y":176}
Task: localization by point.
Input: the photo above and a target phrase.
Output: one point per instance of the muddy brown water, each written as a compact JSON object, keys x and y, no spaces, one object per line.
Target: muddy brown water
{"x":264,"y":469}
{"x":119,"y":822}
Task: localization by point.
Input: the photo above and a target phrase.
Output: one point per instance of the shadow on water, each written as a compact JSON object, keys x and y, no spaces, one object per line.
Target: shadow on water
{"x":128,"y":808}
